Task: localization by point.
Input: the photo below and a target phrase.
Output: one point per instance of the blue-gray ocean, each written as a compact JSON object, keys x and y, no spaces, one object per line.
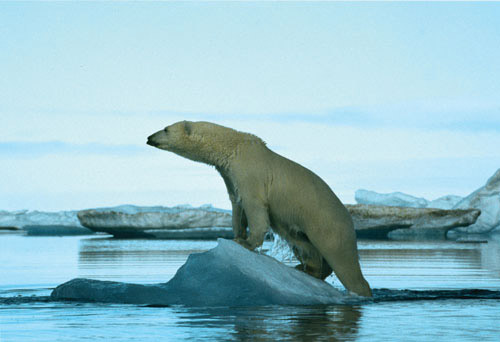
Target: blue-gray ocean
{"x":452,"y":306}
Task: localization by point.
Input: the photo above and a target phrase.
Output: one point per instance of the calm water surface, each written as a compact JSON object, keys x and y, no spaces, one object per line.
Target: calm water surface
{"x":32,"y":266}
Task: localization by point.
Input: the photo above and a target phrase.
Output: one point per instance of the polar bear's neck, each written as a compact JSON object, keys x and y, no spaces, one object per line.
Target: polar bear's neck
{"x":214,"y":144}
{"x":221,"y":152}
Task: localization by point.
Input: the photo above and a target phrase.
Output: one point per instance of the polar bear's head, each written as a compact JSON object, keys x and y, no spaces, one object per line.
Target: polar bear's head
{"x":171,"y":136}
{"x":200,"y":141}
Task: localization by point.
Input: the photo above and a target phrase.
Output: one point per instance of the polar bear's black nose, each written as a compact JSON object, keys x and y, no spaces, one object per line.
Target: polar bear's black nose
{"x":151,"y":141}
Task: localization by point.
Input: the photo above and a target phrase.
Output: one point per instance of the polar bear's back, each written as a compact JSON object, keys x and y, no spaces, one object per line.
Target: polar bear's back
{"x":297,"y":194}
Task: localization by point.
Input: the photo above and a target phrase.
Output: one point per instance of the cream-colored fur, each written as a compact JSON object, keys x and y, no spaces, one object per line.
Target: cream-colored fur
{"x":268,"y":190}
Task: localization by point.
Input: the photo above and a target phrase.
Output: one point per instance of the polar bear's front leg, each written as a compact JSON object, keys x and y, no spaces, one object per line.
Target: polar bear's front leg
{"x":258,"y":224}
{"x":239,"y":222}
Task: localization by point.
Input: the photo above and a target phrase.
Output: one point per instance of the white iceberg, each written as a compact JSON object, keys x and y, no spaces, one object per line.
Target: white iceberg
{"x":486,"y":198}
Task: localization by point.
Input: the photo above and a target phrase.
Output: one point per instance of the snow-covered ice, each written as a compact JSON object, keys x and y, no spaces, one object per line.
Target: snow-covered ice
{"x":486,"y":198}
{"x":378,"y":220}
{"x":129,"y":216}
{"x":396,"y":199}
{"x":375,"y":211}
{"x":209,"y":222}
{"x":184,"y":221}
{"x":43,"y":223}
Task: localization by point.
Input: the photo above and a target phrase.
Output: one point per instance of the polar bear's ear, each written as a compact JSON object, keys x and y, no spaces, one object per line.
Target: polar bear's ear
{"x":187,"y":127}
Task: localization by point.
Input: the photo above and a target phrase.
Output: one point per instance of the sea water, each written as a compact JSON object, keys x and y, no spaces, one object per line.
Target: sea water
{"x":446,"y":272}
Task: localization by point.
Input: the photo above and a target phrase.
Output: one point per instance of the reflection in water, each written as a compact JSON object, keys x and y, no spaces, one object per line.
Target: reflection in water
{"x":490,"y":255}
{"x":430,"y":265}
{"x":386,"y":264}
{"x":290,"y":323}
{"x":145,"y":261}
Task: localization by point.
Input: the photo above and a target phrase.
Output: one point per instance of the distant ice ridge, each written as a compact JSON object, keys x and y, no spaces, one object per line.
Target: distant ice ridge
{"x":207,"y":222}
{"x":68,"y":223}
{"x":22,"y":218}
{"x":134,"y":209}
{"x":129,"y":218}
{"x":186,"y":222}
{"x":399,"y":199}
{"x":486,"y":199}
{"x":375,"y":212}
{"x":43,"y":223}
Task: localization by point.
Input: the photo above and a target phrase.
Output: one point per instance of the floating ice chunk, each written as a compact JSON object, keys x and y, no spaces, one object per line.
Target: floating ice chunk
{"x":378,"y":220}
{"x":486,"y":199}
{"x":129,"y":221}
{"x":228,"y":275}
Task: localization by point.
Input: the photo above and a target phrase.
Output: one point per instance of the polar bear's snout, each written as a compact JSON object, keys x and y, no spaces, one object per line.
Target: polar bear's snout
{"x":156,"y":139}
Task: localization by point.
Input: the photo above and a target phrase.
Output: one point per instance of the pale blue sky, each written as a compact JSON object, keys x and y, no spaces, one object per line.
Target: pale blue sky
{"x":384,"y":96}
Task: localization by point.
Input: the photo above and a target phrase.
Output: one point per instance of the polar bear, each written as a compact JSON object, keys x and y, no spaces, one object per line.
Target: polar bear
{"x":269,"y":190}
